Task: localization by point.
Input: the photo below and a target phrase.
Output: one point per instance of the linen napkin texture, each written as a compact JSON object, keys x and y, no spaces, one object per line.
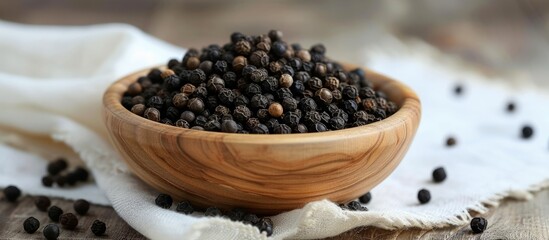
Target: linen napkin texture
{"x":51,"y":84}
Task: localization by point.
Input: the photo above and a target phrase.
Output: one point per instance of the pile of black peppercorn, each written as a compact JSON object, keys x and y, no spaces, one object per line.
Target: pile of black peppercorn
{"x":263,"y":224}
{"x":257,"y":84}
{"x":55,"y":170}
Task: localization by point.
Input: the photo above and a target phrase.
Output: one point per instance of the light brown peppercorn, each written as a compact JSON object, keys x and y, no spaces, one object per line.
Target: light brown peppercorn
{"x":304,"y":55}
{"x":180,"y":100}
{"x":152,"y":114}
{"x":134,"y":89}
{"x":243,"y":47}
{"x":275,"y":66}
{"x":289,"y":54}
{"x":285,"y":80}
{"x":332,"y":83}
{"x":188,"y":89}
{"x":138,"y":109}
{"x":263,"y":46}
{"x":193,"y":63}
{"x":276,"y":110}
{"x":166,"y":73}
{"x":239,"y":63}
{"x":320,"y":69}
{"x":324,"y":95}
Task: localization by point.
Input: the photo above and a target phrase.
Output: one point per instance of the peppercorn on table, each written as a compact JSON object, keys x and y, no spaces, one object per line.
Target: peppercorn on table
{"x":528,"y":216}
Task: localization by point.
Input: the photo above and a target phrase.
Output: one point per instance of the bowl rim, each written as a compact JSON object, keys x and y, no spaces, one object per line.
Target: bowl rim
{"x":410,"y":107}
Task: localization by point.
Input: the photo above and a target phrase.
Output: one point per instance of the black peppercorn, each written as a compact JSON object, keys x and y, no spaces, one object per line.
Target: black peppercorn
{"x":282,"y":93}
{"x":212,"y":125}
{"x":60,"y":180}
{"x":458,"y":89}
{"x":82,"y":174}
{"x":324,"y":95}
{"x":31,"y":224}
{"x":320,"y":70}
{"x":42,"y":203}
{"x":282,"y":129}
{"x":365,"y":198}
{"x":258,"y":75}
{"x":527,"y":132}
{"x":451,"y":141}
{"x":182,"y":123}
{"x":47,"y":181}
{"x":197,"y":77}
{"x":289,"y":104}
{"x":51,"y":231}
{"x":68,"y":221}
{"x":265,"y":225}
{"x":57,"y":166}
{"x":172,"y":82}
{"x":478,"y":224}
{"x":311,"y":118}
{"x":179,"y":100}
{"x":270,"y":84}
{"x":236,"y":214}
{"x":259,"y":101}
{"x":336,"y":123}
{"x":349,"y":106}
{"x":259,"y":59}
{"x":184,"y":207}
{"x":206,"y":66}
{"x":511,"y":107}
{"x":439,"y":175}
{"x":278,"y":48}
{"x":98,"y":228}
{"x":291,"y":119}
{"x":54,"y":212}
{"x":154,"y":75}
{"x":260,"y":129}
{"x":220,"y":67}
{"x":196,"y":105}
{"x":424,"y":196}
{"x":81,"y":206}
{"x":349,"y":92}
{"x":212,"y":212}
{"x":356,"y":206}
{"x":253,"y":89}
{"x":199,"y":128}
{"x":318,"y":127}
{"x":250,"y":218}
{"x":163,"y":201}
{"x":226,"y":97}
{"x":241,"y":113}
{"x":314,"y":84}
{"x":11,"y":193}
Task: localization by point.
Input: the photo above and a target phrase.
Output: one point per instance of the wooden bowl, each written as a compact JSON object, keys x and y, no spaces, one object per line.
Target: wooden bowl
{"x":265,"y":174}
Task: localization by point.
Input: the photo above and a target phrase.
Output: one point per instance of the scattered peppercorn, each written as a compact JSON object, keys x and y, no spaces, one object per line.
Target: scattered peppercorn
{"x":184,"y":207}
{"x":31,"y":224}
{"x":12,"y":193}
{"x":478,"y":224}
{"x":68,"y":221}
{"x":458,"y":89}
{"x":356,"y":206}
{"x":212,"y":212}
{"x":47,"y":181}
{"x":51,"y":231}
{"x":81,"y":206}
{"x":424,"y":196}
{"x":250,"y":219}
{"x":163,"y":201}
{"x":527,"y":132}
{"x":98,"y":228}
{"x":265,"y":225}
{"x":439,"y":175}
{"x":365,"y":198}
{"x":236,"y":214}
{"x":260,"y":77}
{"x":57,"y":166}
{"x":42,"y":203}
{"x":81,"y":174}
{"x":451,"y":141}
{"x":511,"y":107}
{"x":54,"y":212}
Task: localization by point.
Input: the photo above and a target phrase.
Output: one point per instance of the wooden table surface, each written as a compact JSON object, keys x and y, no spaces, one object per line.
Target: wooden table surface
{"x":513,"y":219}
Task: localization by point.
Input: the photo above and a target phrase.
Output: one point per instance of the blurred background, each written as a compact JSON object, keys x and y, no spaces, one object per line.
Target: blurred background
{"x":504,"y":38}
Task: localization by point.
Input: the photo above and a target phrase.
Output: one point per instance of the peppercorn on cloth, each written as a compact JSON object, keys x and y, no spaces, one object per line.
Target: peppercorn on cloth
{"x":51,"y":84}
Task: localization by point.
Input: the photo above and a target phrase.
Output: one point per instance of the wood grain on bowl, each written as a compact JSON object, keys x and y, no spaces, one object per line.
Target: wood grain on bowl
{"x":264,"y":174}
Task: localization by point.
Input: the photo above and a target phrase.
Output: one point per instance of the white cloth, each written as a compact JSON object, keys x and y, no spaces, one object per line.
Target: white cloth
{"x":51,"y":84}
